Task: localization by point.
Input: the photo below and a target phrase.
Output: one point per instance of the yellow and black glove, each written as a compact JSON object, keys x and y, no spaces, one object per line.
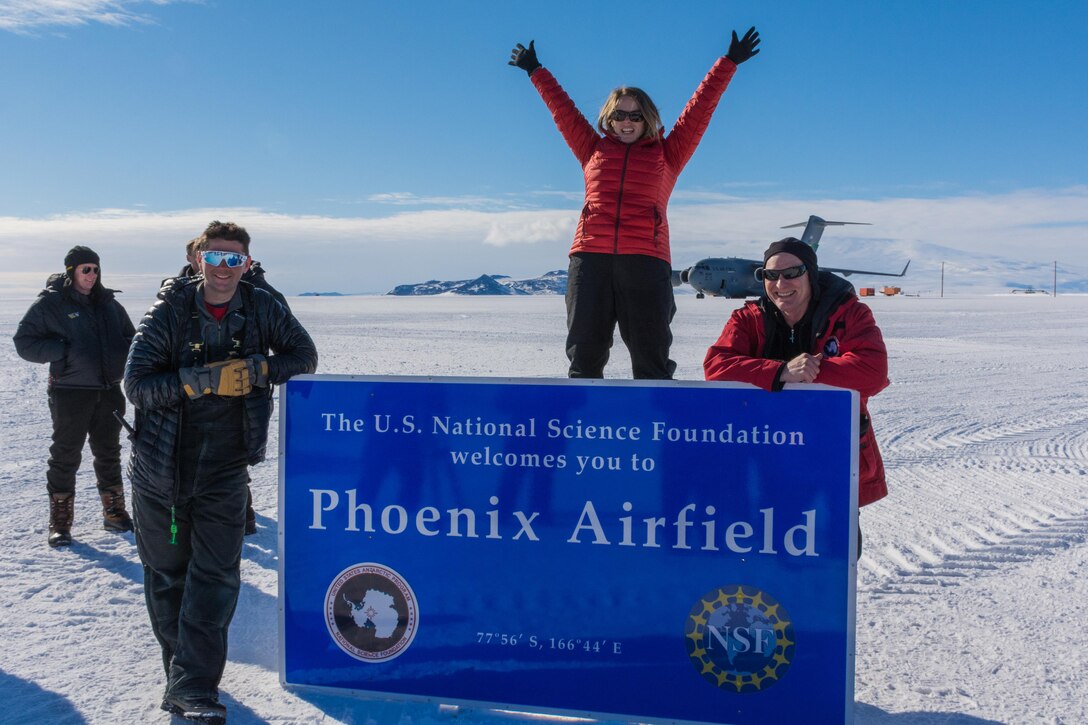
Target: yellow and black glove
{"x":232,"y":378}
{"x":227,"y":378}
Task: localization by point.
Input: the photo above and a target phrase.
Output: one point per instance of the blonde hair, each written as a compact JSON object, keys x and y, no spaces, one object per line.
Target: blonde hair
{"x":650,"y":115}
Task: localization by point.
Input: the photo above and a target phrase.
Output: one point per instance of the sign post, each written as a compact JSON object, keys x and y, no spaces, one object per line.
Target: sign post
{"x":650,"y":550}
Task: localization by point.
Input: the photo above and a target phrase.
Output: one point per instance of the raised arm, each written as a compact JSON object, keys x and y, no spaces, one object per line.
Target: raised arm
{"x":681,"y":142}
{"x":578,"y":132}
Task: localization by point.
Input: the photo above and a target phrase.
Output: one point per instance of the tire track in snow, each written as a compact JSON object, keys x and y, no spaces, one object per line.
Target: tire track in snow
{"x":1025,"y":449}
{"x":924,"y":572}
{"x":1065,"y":438}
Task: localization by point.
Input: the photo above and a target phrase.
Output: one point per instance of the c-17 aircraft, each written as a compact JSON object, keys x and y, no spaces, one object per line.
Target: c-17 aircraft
{"x":736,"y":278}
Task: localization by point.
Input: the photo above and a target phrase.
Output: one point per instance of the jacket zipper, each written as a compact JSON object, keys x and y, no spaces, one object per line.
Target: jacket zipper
{"x":619,"y":201}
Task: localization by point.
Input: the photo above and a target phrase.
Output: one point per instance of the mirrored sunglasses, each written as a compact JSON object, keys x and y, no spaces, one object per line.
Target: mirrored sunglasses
{"x":772,"y":275}
{"x":88,"y":269}
{"x":233,"y":259}
{"x":618,"y":115}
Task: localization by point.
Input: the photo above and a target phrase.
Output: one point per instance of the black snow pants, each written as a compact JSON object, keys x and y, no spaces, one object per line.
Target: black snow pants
{"x":78,"y":415}
{"x":634,"y":290}
{"x":191,"y":584}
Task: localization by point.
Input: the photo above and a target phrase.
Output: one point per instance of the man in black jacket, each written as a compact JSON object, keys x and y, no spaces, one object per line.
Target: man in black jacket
{"x":199,"y":375}
{"x":78,"y":327}
{"x":254,"y":274}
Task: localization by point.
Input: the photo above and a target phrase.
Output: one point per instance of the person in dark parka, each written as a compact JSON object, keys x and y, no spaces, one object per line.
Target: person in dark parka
{"x":79,"y":328}
{"x":199,"y":374}
{"x":254,"y":274}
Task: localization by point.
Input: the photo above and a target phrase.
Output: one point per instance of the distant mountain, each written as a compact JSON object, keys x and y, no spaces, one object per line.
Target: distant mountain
{"x":551,"y":283}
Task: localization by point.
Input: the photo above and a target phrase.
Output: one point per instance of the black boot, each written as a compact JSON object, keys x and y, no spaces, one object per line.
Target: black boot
{"x":251,"y":515}
{"x":114,"y":515}
{"x":198,"y":708}
{"x":61,"y":512}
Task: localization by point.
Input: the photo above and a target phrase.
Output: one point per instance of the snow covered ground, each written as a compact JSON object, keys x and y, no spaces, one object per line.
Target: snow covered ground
{"x":972,"y":594}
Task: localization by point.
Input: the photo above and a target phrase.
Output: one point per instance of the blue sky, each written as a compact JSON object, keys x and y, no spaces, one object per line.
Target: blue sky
{"x":370,"y":144}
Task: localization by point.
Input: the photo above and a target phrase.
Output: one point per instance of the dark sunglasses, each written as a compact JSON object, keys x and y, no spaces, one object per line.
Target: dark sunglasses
{"x":618,"y":115}
{"x":772,"y":275}
{"x":89,"y":269}
{"x":233,"y":259}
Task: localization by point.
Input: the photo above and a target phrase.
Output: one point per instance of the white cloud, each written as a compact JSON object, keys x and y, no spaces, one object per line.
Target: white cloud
{"x":373,"y":254}
{"x":403,"y":198}
{"x":23,"y":16}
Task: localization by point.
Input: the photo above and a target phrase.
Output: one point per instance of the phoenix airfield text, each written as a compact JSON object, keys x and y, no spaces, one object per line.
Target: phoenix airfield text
{"x":692,"y":527}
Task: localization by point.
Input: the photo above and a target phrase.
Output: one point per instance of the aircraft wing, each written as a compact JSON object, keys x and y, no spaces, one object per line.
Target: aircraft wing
{"x":848,"y":272}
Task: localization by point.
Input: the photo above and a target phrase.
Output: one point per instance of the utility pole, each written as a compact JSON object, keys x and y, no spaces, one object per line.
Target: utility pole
{"x":942,"y":279}
{"x":1055,"y":278}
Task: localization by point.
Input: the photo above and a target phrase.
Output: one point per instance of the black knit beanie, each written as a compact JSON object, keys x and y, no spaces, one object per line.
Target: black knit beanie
{"x":794,"y":246}
{"x":78,"y":255}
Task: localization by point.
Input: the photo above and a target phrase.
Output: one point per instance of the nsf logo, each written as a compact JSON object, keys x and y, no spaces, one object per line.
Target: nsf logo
{"x":371,"y":612}
{"x":739,"y":638}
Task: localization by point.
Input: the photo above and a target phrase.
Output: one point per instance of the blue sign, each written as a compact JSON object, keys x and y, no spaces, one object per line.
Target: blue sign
{"x":666,"y":550}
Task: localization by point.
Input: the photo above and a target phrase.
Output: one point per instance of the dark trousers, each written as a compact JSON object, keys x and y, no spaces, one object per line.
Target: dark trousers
{"x":79,"y":415}
{"x":191,"y":586}
{"x":633,"y":290}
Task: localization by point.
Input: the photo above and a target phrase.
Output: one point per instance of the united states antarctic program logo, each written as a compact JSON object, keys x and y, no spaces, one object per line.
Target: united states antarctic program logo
{"x":739,"y":638}
{"x":371,"y":612}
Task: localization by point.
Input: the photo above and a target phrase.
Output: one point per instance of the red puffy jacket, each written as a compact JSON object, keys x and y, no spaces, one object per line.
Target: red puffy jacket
{"x":854,"y":357}
{"x":628,"y":185}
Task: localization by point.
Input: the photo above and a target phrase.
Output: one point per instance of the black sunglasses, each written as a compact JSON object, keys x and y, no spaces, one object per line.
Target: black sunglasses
{"x":772,"y":275}
{"x":88,"y":269}
{"x":619,"y":115}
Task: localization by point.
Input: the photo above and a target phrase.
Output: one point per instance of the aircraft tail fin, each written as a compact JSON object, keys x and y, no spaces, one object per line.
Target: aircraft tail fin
{"x":814,"y":229}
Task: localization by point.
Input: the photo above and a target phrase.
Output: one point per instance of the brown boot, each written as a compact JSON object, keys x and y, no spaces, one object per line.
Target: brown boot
{"x":114,"y":516}
{"x":61,"y":511}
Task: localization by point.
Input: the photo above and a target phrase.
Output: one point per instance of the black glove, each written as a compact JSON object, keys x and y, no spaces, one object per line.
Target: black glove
{"x":525,"y":58}
{"x":257,"y":365}
{"x":743,"y":49}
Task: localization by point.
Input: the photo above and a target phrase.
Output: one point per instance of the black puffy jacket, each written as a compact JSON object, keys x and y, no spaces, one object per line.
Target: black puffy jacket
{"x":84,"y":338}
{"x":162,"y":346}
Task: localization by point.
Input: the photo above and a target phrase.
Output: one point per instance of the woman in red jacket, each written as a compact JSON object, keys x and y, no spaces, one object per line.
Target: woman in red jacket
{"x":808,"y":327}
{"x":620,"y":264}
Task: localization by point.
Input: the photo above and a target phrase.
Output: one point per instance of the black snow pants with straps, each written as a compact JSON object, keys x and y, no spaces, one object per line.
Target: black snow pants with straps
{"x":191,"y":585}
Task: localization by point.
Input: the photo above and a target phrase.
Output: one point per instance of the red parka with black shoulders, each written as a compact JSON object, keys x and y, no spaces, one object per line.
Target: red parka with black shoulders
{"x":628,"y":185}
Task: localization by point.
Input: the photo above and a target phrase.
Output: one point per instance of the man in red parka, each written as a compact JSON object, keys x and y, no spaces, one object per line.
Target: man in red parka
{"x":620,"y":264}
{"x":808,"y":327}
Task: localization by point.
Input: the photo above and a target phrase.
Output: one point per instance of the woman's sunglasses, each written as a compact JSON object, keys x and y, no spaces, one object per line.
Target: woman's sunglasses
{"x":772,"y":275}
{"x":89,"y":270}
{"x":635,"y":116}
{"x":233,"y":259}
